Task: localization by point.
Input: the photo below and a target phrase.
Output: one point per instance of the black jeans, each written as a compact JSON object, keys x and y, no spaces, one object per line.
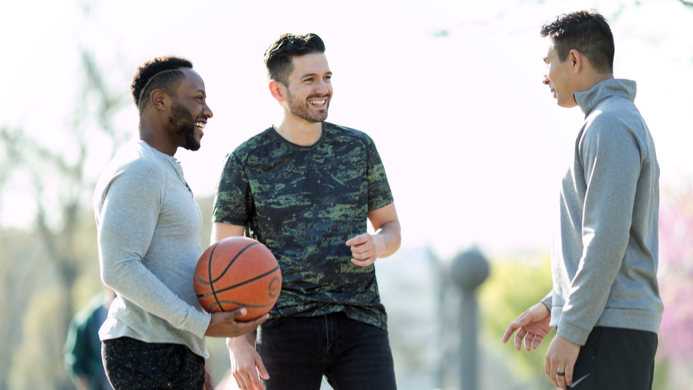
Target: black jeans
{"x":616,"y":358}
{"x":133,"y":365}
{"x":298,"y":351}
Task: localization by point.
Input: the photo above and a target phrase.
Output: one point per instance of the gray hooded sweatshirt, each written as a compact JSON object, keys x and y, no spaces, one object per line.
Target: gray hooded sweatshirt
{"x":604,"y":255}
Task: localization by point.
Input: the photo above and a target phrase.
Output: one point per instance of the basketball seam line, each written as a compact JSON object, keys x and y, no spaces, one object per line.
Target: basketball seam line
{"x":211,"y":285}
{"x":230,"y":263}
{"x":239,"y":284}
{"x":244,"y":304}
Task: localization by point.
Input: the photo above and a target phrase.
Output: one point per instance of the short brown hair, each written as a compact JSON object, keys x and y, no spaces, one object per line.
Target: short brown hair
{"x":279,"y":55}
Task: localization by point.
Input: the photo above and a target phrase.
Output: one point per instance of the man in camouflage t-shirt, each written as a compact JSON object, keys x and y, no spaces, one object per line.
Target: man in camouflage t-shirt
{"x":306,"y":189}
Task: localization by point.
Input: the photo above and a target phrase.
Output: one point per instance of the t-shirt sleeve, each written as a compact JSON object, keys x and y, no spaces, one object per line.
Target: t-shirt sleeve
{"x":233,"y":202}
{"x":379,"y":193}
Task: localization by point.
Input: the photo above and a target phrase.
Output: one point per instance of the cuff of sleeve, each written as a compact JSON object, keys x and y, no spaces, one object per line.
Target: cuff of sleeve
{"x":230,"y":221}
{"x":197,"y":323}
{"x":548,"y":302}
{"x":572,"y":333}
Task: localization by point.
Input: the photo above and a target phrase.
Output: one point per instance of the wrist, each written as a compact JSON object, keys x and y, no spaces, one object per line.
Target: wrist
{"x":233,"y":342}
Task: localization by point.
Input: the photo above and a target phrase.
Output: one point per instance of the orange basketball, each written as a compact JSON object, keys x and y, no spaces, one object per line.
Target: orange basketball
{"x":238,"y":272}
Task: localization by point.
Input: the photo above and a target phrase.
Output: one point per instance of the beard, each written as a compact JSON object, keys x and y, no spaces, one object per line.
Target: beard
{"x":301,"y":109}
{"x":183,"y":124}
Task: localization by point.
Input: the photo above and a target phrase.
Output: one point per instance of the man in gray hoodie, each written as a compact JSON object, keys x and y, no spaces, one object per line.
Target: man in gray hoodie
{"x":605,"y":300}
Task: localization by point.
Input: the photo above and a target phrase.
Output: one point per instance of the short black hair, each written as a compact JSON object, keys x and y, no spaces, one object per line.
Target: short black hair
{"x":585,"y":31}
{"x":158,"y":73}
{"x":278,"y":56}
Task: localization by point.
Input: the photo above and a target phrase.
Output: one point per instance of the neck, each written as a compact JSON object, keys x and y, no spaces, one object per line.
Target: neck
{"x":595,"y":79}
{"x":154,"y":134}
{"x":299,"y":131}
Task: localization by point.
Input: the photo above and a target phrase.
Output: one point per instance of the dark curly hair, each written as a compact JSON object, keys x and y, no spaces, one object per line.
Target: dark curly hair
{"x":278,"y":56}
{"x":158,"y":73}
{"x":585,"y":31}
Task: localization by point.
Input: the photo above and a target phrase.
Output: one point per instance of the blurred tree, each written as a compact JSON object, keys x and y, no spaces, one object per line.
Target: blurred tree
{"x":512,"y":287}
{"x":62,"y":245}
{"x":676,"y":275}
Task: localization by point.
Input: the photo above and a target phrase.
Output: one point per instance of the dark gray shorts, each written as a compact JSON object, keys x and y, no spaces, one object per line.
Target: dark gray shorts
{"x":132,"y":365}
{"x":616,"y":358}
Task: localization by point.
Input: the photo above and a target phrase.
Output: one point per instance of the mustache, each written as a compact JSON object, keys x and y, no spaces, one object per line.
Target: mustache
{"x":315,"y":95}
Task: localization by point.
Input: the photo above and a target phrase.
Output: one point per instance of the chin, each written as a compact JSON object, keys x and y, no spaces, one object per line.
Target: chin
{"x":193,"y":146}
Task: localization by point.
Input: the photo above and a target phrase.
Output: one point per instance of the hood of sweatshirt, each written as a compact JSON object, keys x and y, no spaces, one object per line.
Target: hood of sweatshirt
{"x":588,"y":100}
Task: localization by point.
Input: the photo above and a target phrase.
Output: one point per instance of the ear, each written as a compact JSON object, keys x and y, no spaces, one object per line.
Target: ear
{"x":577,"y":60}
{"x":276,"y":89}
{"x":159,"y":99}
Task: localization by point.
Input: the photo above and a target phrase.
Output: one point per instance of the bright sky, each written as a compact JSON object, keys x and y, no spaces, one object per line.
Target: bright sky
{"x":450,"y":91}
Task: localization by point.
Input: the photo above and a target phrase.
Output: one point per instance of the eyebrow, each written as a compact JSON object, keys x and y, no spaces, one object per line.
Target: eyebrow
{"x":313,"y":74}
{"x":201,"y":91}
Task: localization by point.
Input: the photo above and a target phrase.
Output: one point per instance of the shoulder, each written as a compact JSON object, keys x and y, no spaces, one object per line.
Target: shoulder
{"x":136,"y":158}
{"x":612,"y":127}
{"x":133,"y":166}
{"x":252,"y":146}
{"x":347,"y":134}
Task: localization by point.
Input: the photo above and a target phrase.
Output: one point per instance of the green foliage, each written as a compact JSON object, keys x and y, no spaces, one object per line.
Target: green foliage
{"x":512,"y":288}
{"x":42,"y":344}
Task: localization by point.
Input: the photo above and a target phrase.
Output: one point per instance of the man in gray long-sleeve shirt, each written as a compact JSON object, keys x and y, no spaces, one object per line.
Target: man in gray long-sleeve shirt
{"x":605,"y":301}
{"x":148,"y":227}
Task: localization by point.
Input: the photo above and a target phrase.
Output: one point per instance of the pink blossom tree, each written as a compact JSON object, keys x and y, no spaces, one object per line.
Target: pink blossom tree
{"x":676,"y":274}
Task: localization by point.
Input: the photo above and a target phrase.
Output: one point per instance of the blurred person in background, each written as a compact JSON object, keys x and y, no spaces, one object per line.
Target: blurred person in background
{"x":605,"y":301}
{"x":307,"y":189}
{"x":83,"y":346}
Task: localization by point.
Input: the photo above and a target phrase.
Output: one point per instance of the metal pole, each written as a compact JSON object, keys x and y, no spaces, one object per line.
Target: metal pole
{"x":469,"y":347}
{"x":469,"y":270}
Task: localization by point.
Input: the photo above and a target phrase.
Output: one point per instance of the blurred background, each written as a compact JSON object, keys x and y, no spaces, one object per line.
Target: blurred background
{"x":450,"y":91}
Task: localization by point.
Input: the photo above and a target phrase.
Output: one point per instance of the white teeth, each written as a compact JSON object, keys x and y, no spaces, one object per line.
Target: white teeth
{"x":318,"y":103}
{"x":200,"y":125}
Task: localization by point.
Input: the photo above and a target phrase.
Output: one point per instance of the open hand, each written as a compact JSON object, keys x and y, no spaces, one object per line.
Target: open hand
{"x":246,"y":364}
{"x":533,"y":326}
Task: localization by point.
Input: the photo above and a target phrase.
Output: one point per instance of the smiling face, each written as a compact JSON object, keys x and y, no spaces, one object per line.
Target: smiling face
{"x":310,"y":88}
{"x":189,"y":111}
{"x":560,"y":77}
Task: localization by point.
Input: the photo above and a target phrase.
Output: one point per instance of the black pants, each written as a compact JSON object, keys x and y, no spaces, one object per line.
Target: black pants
{"x":298,"y":351}
{"x":616,"y":358}
{"x":133,"y":365}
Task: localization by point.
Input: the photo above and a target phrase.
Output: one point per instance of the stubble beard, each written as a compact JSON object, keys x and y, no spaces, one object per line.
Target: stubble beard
{"x":301,"y":109}
{"x":183,"y":124}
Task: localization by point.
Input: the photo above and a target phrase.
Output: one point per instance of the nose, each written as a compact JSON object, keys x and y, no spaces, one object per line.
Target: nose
{"x":545,"y":80}
{"x":207,"y":112}
{"x":321,"y":87}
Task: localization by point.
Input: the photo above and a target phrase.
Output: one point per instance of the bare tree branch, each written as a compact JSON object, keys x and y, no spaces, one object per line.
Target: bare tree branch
{"x":687,"y":3}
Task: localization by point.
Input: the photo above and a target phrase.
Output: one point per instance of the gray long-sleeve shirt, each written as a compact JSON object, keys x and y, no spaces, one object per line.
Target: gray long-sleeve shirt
{"x":148,"y":227}
{"x":604,"y":256}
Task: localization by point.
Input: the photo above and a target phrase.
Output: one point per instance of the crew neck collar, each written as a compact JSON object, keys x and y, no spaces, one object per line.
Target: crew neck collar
{"x":274,"y":131}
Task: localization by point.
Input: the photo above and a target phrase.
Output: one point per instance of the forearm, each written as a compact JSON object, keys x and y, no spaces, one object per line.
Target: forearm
{"x":222,"y":230}
{"x":590,"y":288}
{"x":389,"y":239}
{"x":134,"y":282}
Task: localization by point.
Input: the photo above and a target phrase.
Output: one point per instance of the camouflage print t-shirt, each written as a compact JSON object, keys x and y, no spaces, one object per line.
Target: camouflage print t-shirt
{"x":304,"y":203}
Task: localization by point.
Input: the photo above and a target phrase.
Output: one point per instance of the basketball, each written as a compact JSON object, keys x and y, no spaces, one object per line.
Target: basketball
{"x":238,"y":272}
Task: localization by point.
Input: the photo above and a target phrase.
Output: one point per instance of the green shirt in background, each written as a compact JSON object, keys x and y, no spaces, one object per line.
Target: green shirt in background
{"x":304,"y":203}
